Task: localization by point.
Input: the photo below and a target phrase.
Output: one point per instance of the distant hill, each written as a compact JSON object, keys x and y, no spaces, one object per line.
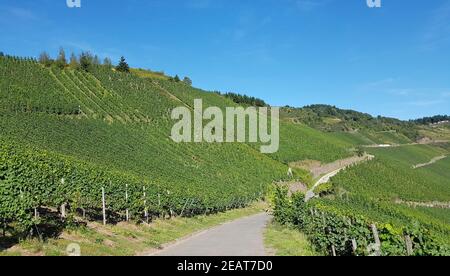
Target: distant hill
{"x":433,"y":120}
{"x":332,"y":119}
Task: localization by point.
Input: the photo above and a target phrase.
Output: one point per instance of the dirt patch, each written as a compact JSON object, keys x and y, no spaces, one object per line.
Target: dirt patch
{"x":109,"y":243}
{"x":318,"y":169}
{"x":297,"y":187}
{"x":305,"y":164}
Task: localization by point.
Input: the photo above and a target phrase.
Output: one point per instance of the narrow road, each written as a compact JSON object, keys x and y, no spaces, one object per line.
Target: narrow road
{"x":242,"y":237}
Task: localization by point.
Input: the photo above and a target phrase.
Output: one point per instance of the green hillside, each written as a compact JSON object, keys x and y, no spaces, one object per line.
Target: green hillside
{"x":360,"y":127}
{"x":104,"y":128}
{"x":66,"y":134}
{"x":386,"y":192}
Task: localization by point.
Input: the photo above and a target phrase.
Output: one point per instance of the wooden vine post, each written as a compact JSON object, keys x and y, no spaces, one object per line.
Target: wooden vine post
{"x":63,"y":206}
{"x":145,"y":206}
{"x":126,"y":200}
{"x":104,"y":206}
{"x":333,"y":250}
{"x":409,"y":245}
{"x":63,"y":210}
{"x":354,"y":246}
{"x":377,"y":240}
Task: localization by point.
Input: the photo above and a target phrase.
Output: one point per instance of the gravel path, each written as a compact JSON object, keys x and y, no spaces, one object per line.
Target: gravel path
{"x":242,"y":237}
{"x":432,"y":161}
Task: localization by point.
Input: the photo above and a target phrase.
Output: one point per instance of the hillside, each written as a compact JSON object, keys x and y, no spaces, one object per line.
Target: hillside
{"x":358,"y":127}
{"x":67,"y":133}
{"x":103,"y":128}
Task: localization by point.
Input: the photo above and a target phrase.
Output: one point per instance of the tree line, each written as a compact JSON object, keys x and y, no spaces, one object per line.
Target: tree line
{"x":433,"y":120}
{"x":84,"y":61}
{"x":245,"y":100}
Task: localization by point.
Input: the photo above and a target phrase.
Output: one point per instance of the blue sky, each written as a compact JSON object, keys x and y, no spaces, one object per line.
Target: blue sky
{"x":392,"y":61}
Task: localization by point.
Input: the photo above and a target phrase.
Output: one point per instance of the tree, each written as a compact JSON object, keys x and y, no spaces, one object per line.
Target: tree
{"x":61,"y":61}
{"x":73,"y":61}
{"x":107,"y":62}
{"x":187,"y":81}
{"x":176,"y":78}
{"x":85,"y":61}
{"x":2,"y":54}
{"x":96,"y":60}
{"x":44,"y":59}
{"x":123,"y":66}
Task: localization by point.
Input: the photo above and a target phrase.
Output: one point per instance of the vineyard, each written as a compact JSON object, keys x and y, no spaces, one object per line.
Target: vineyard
{"x":391,"y":176}
{"x":336,"y":230}
{"x":361,"y":209}
{"x":32,"y":179}
{"x":105,"y":129}
{"x":67,"y":136}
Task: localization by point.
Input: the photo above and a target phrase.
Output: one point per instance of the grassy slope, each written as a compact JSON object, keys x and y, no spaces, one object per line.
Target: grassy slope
{"x":285,"y":241}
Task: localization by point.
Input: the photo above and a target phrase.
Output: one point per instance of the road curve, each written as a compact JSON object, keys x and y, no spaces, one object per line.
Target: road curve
{"x":242,"y":237}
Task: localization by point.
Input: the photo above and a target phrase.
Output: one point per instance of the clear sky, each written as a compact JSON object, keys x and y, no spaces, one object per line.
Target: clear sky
{"x":392,"y":61}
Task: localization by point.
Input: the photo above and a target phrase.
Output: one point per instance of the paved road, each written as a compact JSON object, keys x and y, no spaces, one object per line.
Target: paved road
{"x":243,"y":237}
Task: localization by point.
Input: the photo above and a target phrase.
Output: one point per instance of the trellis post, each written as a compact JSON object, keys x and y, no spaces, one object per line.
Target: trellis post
{"x":145,"y":206}
{"x":103,"y":206}
{"x":126,"y":200}
{"x":409,"y":245}
{"x":377,"y":240}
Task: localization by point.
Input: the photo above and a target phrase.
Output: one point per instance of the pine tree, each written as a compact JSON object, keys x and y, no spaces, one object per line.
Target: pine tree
{"x":61,"y":61}
{"x":123,"y":66}
{"x":187,"y":81}
{"x":85,"y":61}
{"x":2,"y":54}
{"x":73,"y":61}
{"x":177,"y":78}
{"x":107,"y":62}
{"x":96,"y":60}
{"x":44,"y":59}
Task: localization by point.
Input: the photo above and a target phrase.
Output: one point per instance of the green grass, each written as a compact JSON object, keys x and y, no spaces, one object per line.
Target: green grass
{"x":126,"y":239}
{"x":285,"y":241}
